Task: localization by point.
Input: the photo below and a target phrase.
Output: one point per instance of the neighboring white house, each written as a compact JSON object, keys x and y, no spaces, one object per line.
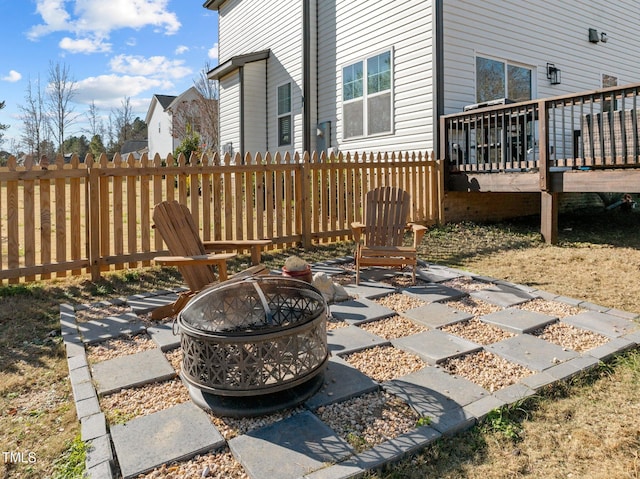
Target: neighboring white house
{"x":364,"y":75}
{"x":163,"y":125}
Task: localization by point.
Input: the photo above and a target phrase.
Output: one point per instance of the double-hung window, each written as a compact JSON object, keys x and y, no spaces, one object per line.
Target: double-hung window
{"x":497,"y":79}
{"x":366,"y":97}
{"x":284,"y":114}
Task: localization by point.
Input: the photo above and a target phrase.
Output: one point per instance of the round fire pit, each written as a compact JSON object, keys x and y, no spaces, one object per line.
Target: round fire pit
{"x":254,"y":346}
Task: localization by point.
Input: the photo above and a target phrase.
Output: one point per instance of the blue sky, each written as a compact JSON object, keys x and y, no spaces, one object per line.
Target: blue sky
{"x":113,"y":48}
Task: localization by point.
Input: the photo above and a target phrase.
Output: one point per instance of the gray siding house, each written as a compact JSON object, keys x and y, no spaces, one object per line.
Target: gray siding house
{"x":364,"y":75}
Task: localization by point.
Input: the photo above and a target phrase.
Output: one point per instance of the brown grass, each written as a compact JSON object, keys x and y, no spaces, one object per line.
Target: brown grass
{"x":585,"y":430}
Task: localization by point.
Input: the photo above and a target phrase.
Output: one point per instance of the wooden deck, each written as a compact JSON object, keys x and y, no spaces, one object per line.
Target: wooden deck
{"x":588,"y":142}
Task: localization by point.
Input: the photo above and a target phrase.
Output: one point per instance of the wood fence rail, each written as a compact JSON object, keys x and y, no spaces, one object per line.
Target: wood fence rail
{"x":70,"y":218}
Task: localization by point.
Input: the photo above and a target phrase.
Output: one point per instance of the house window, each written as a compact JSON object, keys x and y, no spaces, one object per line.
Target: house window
{"x":497,"y":79}
{"x":284,"y":114}
{"x":366,"y":106}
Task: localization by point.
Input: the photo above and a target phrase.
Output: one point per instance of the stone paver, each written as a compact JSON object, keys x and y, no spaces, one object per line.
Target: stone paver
{"x":302,"y":445}
{"x":436,"y":346}
{"x":518,"y":320}
{"x":531,"y":352}
{"x":132,"y":370}
{"x":179,"y":432}
{"x":289,"y":448}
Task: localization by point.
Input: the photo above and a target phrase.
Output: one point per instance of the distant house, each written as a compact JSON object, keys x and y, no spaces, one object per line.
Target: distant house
{"x":360,"y":75}
{"x":170,"y":118}
{"x":135,"y":147}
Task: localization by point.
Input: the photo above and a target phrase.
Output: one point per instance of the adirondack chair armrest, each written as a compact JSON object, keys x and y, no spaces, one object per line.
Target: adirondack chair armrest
{"x":357,"y":230}
{"x":215,"y":259}
{"x":418,"y":233}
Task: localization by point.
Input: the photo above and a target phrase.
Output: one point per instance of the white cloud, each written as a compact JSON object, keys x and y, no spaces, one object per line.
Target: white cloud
{"x":84,"y":45}
{"x":152,"y":66}
{"x":92,"y":21}
{"x":108,"y":90}
{"x":181,"y":49}
{"x":213,"y":52}
{"x":12,"y":77}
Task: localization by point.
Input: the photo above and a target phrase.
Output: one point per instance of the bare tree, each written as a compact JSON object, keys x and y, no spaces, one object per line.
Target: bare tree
{"x":34,"y":119}
{"x":60,"y":93}
{"x":123,"y":120}
{"x":208,"y":109}
{"x":96,"y":125}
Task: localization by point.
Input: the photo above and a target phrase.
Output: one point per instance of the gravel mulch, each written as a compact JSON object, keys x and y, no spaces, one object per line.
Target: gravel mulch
{"x":230,"y":427}
{"x":217,"y":465}
{"x":369,"y":420}
{"x":466,"y":284}
{"x":100,"y":311}
{"x":393,"y":327}
{"x":570,"y":337}
{"x":487,"y":370}
{"x":383,"y":363}
{"x":123,"y":346}
{"x":400,"y":302}
{"x":551,"y":308}
{"x":473,"y":306}
{"x":478,"y":332}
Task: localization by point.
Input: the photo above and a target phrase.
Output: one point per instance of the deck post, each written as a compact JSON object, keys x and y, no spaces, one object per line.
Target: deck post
{"x":549,"y":216}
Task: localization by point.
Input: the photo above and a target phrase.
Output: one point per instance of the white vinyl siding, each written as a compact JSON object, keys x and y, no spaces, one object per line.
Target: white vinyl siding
{"x":250,"y":26}
{"x":353,"y":31}
{"x":160,"y":140}
{"x":536,"y":33}
{"x":229,"y":112}
{"x":255,"y":106}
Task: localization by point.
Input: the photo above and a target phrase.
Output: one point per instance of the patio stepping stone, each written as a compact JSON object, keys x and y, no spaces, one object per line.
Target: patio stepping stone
{"x":531,"y":352}
{"x":177,"y":433}
{"x":111,"y":327}
{"x":437,"y":274}
{"x":436,"y":315}
{"x":436,"y":346}
{"x":358,"y":310}
{"x":132,"y":370}
{"x":341,"y":383}
{"x":290,"y":448}
{"x":602,"y":323}
{"x":343,"y":341}
{"x":502,"y":295}
{"x":162,"y":335}
{"x":432,"y":293}
{"x":369,"y":289}
{"x":145,"y":303}
{"x":518,"y":320}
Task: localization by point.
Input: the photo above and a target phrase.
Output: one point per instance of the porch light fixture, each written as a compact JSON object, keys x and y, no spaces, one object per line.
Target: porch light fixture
{"x":553,"y":74}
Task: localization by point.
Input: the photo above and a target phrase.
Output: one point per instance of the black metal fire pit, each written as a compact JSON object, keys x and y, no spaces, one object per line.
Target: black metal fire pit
{"x":254,"y":346}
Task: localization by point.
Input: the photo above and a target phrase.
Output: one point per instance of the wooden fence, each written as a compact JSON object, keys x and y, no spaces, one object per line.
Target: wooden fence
{"x":94,"y":216}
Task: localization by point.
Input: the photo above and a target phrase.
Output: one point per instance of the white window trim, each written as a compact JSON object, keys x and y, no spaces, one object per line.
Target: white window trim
{"x":365,"y":96}
{"x":282,"y":115}
{"x":532,"y":68}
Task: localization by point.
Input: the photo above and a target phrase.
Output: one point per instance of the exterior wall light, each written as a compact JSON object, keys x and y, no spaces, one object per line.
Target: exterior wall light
{"x":553,"y":74}
{"x":593,"y":35}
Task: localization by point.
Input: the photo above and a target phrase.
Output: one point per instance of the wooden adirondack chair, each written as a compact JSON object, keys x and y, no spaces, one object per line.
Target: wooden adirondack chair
{"x":178,"y":230}
{"x":379,"y":240}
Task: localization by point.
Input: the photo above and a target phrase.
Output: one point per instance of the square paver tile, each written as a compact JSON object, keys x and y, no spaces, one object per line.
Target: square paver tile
{"x":502,"y":295}
{"x":431,"y":293}
{"x":132,"y":370}
{"x":518,"y":320}
{"x":436,"y":315}
{"x":290,"y":448}
{"x":531,"y":352}
{"x":110,"y":327}
{"x":436,"y":346}
{"x":603,"y":323}
{"x":369,"y":289}
{"x":358,"y":310}
{"x":162,"y":335}
{"x":173,"y":434}
{"x":346,"y":340}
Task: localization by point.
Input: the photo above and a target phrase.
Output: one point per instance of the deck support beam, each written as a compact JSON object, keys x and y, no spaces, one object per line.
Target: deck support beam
{"x":549,"y":216}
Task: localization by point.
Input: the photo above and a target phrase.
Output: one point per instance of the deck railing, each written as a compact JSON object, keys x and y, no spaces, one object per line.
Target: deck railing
{"x":96,"y":215}
{"x":596,"y":129}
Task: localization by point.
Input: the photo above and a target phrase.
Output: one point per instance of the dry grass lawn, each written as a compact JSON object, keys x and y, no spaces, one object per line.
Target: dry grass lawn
{"x":588,"y":429}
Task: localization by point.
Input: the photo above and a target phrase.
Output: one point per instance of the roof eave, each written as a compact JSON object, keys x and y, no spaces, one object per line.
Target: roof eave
{"x":237,"y":62}
{"x":213,"y":4}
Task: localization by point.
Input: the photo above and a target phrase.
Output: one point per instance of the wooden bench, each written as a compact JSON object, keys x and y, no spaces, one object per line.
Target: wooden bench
{"x":256,"y":246}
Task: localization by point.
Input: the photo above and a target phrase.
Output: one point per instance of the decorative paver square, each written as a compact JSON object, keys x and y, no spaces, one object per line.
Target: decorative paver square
{"x":531,"y":352}
{"x":144,"y":303}
{"x":132,"y":370}
{"x":518,"y":320}
{"x":163,"y":335}
{"x":369,"y":289}
{"x":110,"y":327}
{"x":502,"y":295}
{"x":436,"y":315}
{"x":290,"y":448}
{"x":173,"y":434}
{"x":358,"y":310}
{"x":436,"y":346}
{"x":437,"y":274}
{"x":431,"y":293}
{"x":603,"y":323}
{"x":352,"y":338}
